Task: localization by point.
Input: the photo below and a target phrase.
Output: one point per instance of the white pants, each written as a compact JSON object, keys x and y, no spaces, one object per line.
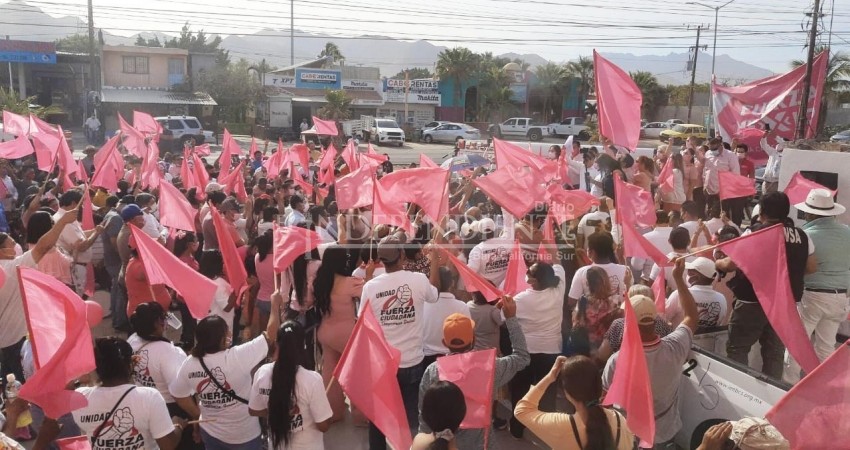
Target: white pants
{"x":78,"y":275}
{"x":821,"y":314}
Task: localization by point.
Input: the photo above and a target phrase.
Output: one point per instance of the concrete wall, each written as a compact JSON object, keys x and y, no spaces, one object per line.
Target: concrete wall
{"x":681,"y":113}
{"x":157,"y":76}
{"x":838,"y":116}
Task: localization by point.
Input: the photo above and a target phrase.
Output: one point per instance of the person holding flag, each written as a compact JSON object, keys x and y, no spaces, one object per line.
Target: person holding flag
{"x":717,"y":159}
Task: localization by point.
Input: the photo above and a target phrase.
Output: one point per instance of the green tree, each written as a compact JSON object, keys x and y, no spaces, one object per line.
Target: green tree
{"x":653,"y":94}
{"x":837,"y":82}
{"x":199,"y":43}
{"x":337,"y":108}
{"x":457,"y":64}
{"x":75,"y":43}
{"x":333,"y":51}
{"x":233,"y":88}
{"x":499,"y":103}
{"x":492,"y":84}
{"x":415,"y":73}
{"x":550,"y":81}
{"x":10,"y":101}
{"x":582,"y":68}
{"x":152,"y":42}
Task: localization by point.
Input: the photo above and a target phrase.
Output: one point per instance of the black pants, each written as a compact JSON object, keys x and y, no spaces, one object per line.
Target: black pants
{"x":749,"y":325}
{"x":541,"y":364}
{"x":187,"y":332}
{"x":186,"y":440}
{"x":11,"y":362}
{"x":699,"y":199}
{"x":711,"y":201}
{"x":734,"y":208}
{"x":408,"y":380}
{"x":429,"y":359}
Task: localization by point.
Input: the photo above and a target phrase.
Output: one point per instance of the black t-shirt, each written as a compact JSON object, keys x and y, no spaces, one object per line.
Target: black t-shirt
{"x":796,"y":253}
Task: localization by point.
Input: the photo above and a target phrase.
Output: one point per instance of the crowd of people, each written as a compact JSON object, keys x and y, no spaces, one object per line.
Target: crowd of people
{"x":258,"y":371}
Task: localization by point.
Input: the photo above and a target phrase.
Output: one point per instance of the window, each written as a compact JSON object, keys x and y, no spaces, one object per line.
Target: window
{"x":192,"y":123}
{"x":510,"y":122}
{"x":136,"y":64}
{"x":175,"y":125}
{"x":579,"y":121}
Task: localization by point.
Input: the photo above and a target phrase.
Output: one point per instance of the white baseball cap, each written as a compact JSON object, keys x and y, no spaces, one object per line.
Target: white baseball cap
{"x":702,"y":265}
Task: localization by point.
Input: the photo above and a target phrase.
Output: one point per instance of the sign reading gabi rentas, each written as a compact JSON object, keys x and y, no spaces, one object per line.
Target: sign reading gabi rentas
{"x":318,"y":79}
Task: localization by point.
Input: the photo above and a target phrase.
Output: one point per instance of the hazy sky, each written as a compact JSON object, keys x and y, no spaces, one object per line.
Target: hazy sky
{"x":767,"y":33}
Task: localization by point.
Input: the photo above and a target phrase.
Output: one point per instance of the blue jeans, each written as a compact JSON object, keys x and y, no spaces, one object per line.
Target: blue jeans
{"x":211,"y":443}
{"x":408,"y":380}
{"x":117,"y":298}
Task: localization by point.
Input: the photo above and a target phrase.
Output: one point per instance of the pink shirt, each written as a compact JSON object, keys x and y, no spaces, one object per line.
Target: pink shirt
{"x":345,"y":290}
{"x":265,"y":276}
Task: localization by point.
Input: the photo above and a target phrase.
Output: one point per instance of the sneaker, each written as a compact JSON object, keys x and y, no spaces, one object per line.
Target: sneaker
{"x":516,"y":432}
{"x":499,"y":423}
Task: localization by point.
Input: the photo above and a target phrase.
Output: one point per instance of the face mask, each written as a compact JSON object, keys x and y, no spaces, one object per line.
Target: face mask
{"x":741,"y":156}
{"x":18,"y":250}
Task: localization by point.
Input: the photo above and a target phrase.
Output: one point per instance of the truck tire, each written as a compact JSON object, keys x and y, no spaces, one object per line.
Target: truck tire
{"x":583,"y":135}
{"x":535,"y":134}
{"x":428,"y":139}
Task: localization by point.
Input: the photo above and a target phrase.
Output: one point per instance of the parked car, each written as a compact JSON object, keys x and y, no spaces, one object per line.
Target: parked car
{"x":570,"y":126}
{"x":680,"y":133}
{"x":450,"y":132}
{"x":518,"y":126}
{"x":177,"y":130}
{"x":841,"y":136}
{"x":673,"y":122}
{"x":653,"y":129}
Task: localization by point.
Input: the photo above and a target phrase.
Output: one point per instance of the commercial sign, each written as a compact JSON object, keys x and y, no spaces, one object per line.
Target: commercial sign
{"x":423,"y":91}
{"x":413,"y":97}
{"x":360,"y":85}
{"x":425,"y":85}
{"x":27,"y":52}
{"x":519,"y":92}
{"x":318,"y":79}
{"x":271,"y":79}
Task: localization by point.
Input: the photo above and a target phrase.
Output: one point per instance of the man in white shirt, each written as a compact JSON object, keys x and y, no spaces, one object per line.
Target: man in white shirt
{"x":74,"y":241}
{"x":11,"y":196}
{"x":589,"y":223}
{"x":152,"y":226}
{"x":774,"y":160}
{"x":717,"y":159}
{"x":712,"y":306}
{"x":92,"y":126}
{"x":299,"y":206}
{"x":490,"y":257}
{"x":397,"y":299}
{"x":691,"y":216}
{"x":435,"y":314}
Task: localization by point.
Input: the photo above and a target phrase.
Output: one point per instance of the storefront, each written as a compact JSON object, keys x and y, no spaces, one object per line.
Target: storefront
{"x":412,"y":102}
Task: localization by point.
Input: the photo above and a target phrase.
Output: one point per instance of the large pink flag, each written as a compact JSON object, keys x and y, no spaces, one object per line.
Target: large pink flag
{"x":187,"y":175}
{"x":761,"y":256}
{"x":388,"y":211}
{"x":472,"y":280}
{"x":799,"y":187}
{"x":106,"y":175}
{"x":64,"y":157}
{"x":510,"y":155}
{"x":618,"y":103}
{"x":634,"y":205}
{"x":234,"y":183}
{"x":134,"y":140}
{"x":302,"y":155}
{"x":666,"y":179}
{"x":474,"y":373}
{"x":735,"y":186}
{"x":234,"y":266}
{"x":151,"y":176}
{"x":515,"y":276}
{"x":350,"y":156}
{"x":40,"y":126}
{"x":326,"y":166}
{"x":516,"y":189}
{"x":229,"y":148}
{"x":292,"y":242}
{"x":46,"y":148}
{"x":201,"y":175}
{"x":355,"y":189}
{"x":815,"y":413}
{"x":367,"y":374}
{"x":325,"y":127}
{"x":637,"y":246}
{"x":425,"y":161}
{"x":15,"y":124}
{"x":162,"y":267}
{"x":61,"y":342}
{"x":146,"y":124}
{"x":203,"y":149}
{"x":87,"y":221}
{"x":425,"y":186}
{"x":630,"y":389}
{"x":16,"y":148}
{"x":567,"y":205}
{"x":175,"y":211}
{"x":109,"y":153}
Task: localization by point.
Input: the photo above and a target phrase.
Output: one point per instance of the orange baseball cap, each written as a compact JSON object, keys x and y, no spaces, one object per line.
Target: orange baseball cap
{"x":458,"y":331}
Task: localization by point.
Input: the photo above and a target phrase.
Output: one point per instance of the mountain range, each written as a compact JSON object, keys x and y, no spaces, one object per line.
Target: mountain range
{"x":390,"y":55}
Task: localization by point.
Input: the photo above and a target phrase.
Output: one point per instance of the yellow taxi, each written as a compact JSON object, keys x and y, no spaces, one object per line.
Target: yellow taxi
{"x":681,"y":132}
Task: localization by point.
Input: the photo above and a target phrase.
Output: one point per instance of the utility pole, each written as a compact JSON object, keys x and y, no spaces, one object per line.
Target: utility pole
{"x":693,"y":74}
{"x":92,"y":65}
{"x":803,"y":120}
{"x":291,"y":32}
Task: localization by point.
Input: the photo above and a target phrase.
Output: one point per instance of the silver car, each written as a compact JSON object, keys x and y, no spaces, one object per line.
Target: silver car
{"x":842,"y":136}
{"x":450,"y":132}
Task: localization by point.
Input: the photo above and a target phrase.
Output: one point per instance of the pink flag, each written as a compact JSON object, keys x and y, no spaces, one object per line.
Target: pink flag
{"x":618,"y":103}
{"x":386,"y":210}
{"x":46,"y":148}
{"x":234,"y":182}
{"x":425,"y":186}
{"x":666,"y":179}
{"x":355,"y":189}
{"x":88,"y":211}
{"x":74,"y":443}
{"x":187,"y":175}
{"x":109,"y":154}
{"x":203,"y":149}
{"x":425,"y":161}
{"x":174,"y":210}
{"x":151,"y":176}
{"x":371,"y":153}
{"x":16,"y":148}
{"x":814,"y":414}
{"x":567,"y":205}
{"x":367,"y":374}
{"x":543,"y":253}
{"x":162,"y":267}
{"x":510,"y":155}
{"x":134,"y":140}
{"x":326,"y":166}
{"x":517,"y":190}
{"x":799,"y":187}
{"x":659,"y":289}
{"x":349,"y":155}
{"x":15,"y":124}
{"x":274,"y":164}
{"x":253,"y":149}
{"x":292,"y":242}
{"x":64,"y":157}
{"x":630,"y":389}
{"x":229,"y":147}
{"x":474,"y":373}
{"x":61,"y":342}
{"x":473,"y":281}
{"x":549,"y":229}
{"x":201,"y":175}
{"x":82,"y":175}
{"x":637,"y":246}
{"x":40,"y":126}
{"x":634,"y":205}
{"x":735,"y":186}
{"x":234,"y":266}
{"x":325,"y":127}
{"x":146,"y":124}
{"x":302,"y":154}
{"x":515,"y":276}
{"x":761,"y":256}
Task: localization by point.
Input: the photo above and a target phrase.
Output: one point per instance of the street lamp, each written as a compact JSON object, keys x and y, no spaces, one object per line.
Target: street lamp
{"x":714,"y":49}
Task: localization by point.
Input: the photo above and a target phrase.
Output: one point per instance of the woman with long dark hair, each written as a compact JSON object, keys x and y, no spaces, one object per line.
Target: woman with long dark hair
{"x":336,"y":295}
{"x":265,"y":277}
{"x":592,"y":427}
{"x":443,"y":409}
{"x":290,"y":396}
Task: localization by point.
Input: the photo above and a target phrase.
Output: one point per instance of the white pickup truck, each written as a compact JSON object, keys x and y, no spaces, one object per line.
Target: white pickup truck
{"x":571,"y":126}
{"x":518,"y":126}
{"x":382,"y":130}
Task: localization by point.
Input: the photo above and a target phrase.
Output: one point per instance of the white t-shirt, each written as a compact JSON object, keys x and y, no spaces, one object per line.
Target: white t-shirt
{"x":585,"y":229}
{"x":692,"y":227}
{"x":11,"y":304}
{"x":540,"y":314}
{"x":433,"y":316}
{"x":311,"y":406}
{"x":232,"y":369}
{"x":710,"y":303}
{"x":222,"y":295}
{"x":158,"y":363}
{"x":490,"y":259}
{"x":659,"y":237}
{"x":668,"y":271}
{"x":397,"y":300}
{"x":70,"y":236}
{"x":360,"y":272}
{"x":137,"y":423}
{"x":616,"y":276}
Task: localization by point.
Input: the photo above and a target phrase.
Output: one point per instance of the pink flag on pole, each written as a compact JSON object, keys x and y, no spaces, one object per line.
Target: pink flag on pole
{"x":74,"y":443}
{"x":229,"y":148}
{"x":292,"y":242}
{"x":515,"y":276}
{"x":637,"y":246}
{"x":326,"y":166}
{"x":234,"y":183}
{"x":151,"y":176}
{"x":815,"y":413}
{"x":203,"y":149}
{"x":201,"y":175}
{"x":46,"y":148}
{"x":162,"y":267}
{"x":473,"y":281}
{"x":82,"y":175}
{"x":349,"y":155}
{"x":799,"y":187}
{"x":515,"y":189}
{"x":61,"y":342}
{"x":735,"y":186}
{"x":40,"y":126}
{"x":107,"y":169}
{"x":355,"y":189}
{"x":88,"y":211}
{"x":187,"y":175}
{"x":274,"y":164}
{"x":634,"y":205}
{"x":659,"y":289}
{"x":425,"y":186}
{"x":567,"y":205}
{"x":371,"y":153}
{"x":302,"y":154}
{"x":234,"y":266}
{"x":761,"y":256}
{"x":630,"y":389}
{"x":15,"y":124}
{"x":325,"y":127}
{"x":474,"y":373}
{"x":64,"y":157}
{"x":666,"y":179}
{"x":146,"y":124}
{"x":618,"y":103}
{"x":386,"y":210}
{"x":175,"y":211}
{"x":16,"y":148}
{"x":543,"y":253}
{"x":510,"y":155}
{"x":134,"y":140}
{"x":425,"y":161}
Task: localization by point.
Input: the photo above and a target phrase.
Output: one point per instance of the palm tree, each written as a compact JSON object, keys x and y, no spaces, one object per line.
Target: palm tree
{"x":583,"y":70}
{"x":333,"y":51}
{"x":9,"y":101}
{"x":837,"y":79}
{"x":651,"y":91}
{"x":499,"y":102}
{"x":457,"y":64}
{"x":491,"y":80}
{"x":337,"y":108}
{"x":550,"y":78}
